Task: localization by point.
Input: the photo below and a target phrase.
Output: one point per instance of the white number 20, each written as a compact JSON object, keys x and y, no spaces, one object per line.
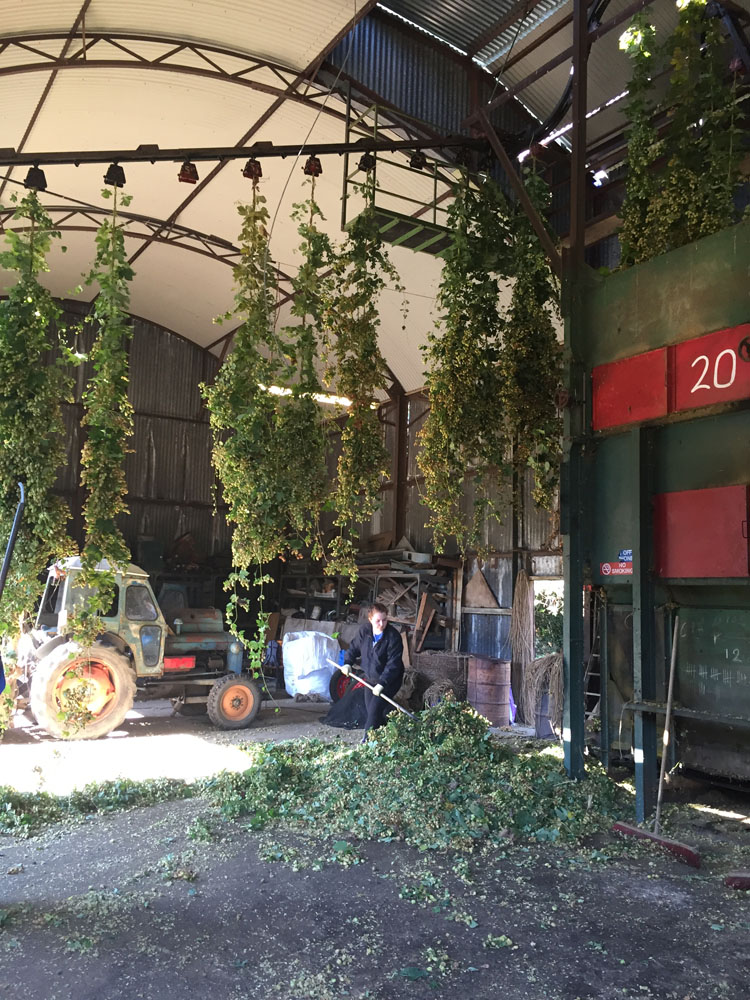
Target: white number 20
{"x":700,"y":384}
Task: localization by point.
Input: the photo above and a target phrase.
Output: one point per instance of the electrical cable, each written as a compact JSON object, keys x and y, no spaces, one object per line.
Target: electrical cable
{"x":500,"y":72}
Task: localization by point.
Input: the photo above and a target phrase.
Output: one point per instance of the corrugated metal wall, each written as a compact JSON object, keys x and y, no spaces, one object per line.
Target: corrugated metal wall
{"x":538,"y":542}
{"x":168,"y":471}
{"x":382,"y":53}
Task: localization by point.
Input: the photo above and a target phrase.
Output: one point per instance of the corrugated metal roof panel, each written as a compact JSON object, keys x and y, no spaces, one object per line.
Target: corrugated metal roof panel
{"x":383,"y":58}
{"x":498,"y":51}
{"x":455,"y":21}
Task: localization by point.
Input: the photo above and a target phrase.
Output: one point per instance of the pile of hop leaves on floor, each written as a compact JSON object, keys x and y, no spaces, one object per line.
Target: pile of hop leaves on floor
{"x":442,"y":781}
{"x":24,"y":813}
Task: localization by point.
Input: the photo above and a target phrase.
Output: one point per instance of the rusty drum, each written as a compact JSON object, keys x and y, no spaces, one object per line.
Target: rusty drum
{"x":488,"y":688}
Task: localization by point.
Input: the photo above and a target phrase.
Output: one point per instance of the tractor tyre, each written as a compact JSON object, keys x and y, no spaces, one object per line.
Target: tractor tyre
{"x":338,"y":685}
{"x":103,"y":702}
{"x":341,"y":684}
{"x":233,"y":702}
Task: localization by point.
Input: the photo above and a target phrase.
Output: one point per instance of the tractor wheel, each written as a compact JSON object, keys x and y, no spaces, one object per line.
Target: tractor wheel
{"x":96,"y":688}
{"x":340,"y":684}
{"x":233,"y":702}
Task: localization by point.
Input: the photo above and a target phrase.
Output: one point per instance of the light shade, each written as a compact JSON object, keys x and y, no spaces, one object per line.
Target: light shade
{"x":253,"y":170}
{"x":188,"y":173}
{"x":35,"y":179}
{"x":367,"y":162}
{"x":115,"y":176}
{"x":313,"y":167}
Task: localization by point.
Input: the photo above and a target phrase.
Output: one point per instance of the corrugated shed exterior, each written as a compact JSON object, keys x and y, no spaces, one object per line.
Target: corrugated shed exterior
{"x":489,"y":635}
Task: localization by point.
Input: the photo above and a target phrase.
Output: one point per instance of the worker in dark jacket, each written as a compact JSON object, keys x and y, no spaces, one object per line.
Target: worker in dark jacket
{"x":378,"y":645}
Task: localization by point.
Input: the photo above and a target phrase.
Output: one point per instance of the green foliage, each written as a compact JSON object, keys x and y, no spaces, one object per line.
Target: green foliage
{"x":492,"y":375}
{"x":548,"y":624}
{"x":270,"y":450}
{"x":643,"y":143}
{"x":302,"y":433}
{"x":108,"y":417}
{"x":681,"y":183}
{"x":24,"y":813}
{"x":530,"y":358}
{"x":243,"y":411}
{"x":439,"y":782}
{"x":356,"y":370}
{"x":31,"y":429}
{"x":464,"y":430}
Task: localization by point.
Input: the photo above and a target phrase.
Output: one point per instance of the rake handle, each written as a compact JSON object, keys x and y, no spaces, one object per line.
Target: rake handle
{"x":390,"y":701}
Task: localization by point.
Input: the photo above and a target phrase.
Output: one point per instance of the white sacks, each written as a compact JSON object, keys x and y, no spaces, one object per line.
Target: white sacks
{"x":306,"y":666}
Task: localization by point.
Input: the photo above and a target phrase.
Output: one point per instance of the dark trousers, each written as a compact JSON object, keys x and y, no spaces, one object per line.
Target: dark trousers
{"x":378,"y":708}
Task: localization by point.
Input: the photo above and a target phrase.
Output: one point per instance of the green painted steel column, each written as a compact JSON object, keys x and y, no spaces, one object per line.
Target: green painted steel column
{"x":604,"y":743}
{"x":573,"y":527}
{"x":644,"y":652}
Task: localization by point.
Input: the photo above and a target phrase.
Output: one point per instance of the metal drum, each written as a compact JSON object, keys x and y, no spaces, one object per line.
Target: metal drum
{"x":489,"y":688}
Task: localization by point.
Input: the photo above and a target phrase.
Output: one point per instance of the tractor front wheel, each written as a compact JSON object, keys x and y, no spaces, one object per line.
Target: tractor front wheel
{"x":79,"y":694}
{"x":233,"y":702}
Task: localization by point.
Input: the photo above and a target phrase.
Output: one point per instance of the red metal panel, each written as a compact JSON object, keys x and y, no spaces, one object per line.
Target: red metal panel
{"x":179,"y":662}
{"x":711,"y":369}
{"x":702,"y":533}
{"x":630,"y":391}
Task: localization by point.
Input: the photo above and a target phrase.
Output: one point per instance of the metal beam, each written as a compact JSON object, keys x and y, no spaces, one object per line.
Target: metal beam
{"x":48,"y":86}
{"x":539,"y":227}
{"x":67,"y":218}
{"x":536,"y":42}
{"x":563,"y":57}
{"x":269,"y":112}
{"x":261,"y":150}
{"x":172,"y":60}
{"x":518,"y":12}
{"x":578,"y":136}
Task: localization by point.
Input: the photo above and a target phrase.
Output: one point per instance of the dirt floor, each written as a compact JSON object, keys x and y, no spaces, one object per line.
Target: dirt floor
{"x":169,"y":901}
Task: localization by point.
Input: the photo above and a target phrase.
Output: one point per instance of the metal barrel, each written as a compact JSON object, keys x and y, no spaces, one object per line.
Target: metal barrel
{"x":488,"y":688}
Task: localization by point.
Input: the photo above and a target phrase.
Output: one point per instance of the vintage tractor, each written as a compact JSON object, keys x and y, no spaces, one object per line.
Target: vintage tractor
{"x":187,"y":655}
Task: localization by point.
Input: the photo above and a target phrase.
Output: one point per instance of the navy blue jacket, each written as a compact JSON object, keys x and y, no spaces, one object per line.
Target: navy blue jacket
{"x":381,"y":663}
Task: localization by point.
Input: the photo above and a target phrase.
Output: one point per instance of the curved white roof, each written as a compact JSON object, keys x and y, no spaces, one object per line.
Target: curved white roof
{"x":101,"y":75}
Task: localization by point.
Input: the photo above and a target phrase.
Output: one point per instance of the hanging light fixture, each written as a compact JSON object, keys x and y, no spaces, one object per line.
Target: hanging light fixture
{"x":312,"y":168}
{"x":418,"y":161}
{"x":35,"y":179}
{"x":188,"y":173}
{"x":367,"y":162}
{"x":115,"y":176}
{"x":253,"y":170}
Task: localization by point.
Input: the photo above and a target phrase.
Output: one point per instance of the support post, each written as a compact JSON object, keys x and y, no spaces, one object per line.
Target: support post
{"x":573,"y":524}
{"x":401,"y":465}
{"x":572,"y":492}
{"x":644,"y":660}
{"x":604,"y":744}
{"x":578,"y":136}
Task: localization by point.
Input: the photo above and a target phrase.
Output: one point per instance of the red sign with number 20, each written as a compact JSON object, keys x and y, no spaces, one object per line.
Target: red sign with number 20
{"x":714,"y":368}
